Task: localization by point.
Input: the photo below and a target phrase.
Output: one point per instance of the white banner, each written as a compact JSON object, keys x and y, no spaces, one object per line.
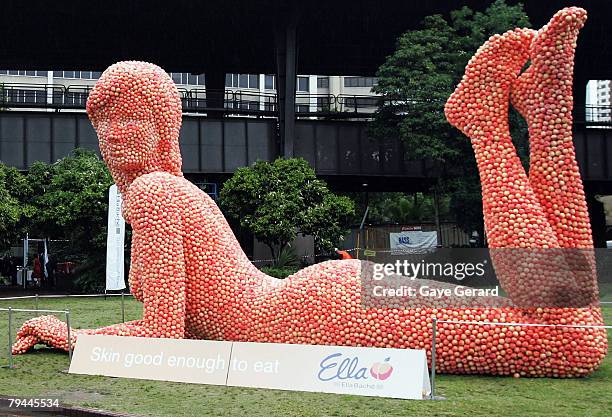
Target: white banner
{"x":413,"y":239}
{"x":375,"y":372}
{"x":380,"y":372}
{"x":178,"y":360}
{"x":114,"y":242}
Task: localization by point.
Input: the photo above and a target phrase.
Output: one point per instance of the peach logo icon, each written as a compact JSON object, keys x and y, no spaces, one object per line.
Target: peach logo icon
{"x":381,"y":370}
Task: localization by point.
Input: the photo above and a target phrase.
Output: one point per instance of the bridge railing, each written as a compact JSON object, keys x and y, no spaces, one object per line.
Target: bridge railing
{"x":198,"y":100}
{"x":595,"y":115}
{"x":237,"y":102}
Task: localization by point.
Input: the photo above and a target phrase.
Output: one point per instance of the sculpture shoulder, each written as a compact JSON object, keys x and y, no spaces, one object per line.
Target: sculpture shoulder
{"x":156,"y":183}
{"x":157,"y":193}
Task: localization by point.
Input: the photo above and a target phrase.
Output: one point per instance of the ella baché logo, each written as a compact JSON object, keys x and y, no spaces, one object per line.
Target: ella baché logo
{"x":339,"y":367}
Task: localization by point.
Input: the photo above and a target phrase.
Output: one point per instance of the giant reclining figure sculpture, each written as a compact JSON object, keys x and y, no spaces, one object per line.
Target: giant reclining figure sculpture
{"x":195,"y":281}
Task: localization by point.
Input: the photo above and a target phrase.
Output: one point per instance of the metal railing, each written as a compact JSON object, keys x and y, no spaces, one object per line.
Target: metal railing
{"x":595,"y":115}
{"x":239,"y":102}
{"x":37,"y":311}
{"x":198,"y":100}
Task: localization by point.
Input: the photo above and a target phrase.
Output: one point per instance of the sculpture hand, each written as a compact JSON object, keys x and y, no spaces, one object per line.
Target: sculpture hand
{"x":51,"y":331}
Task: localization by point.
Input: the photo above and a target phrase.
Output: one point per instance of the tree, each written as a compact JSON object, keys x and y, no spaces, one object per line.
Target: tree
{"x":70,"y":201}
{"x":276,"y":200}
{"x":13,"y":208}
{"x":415,"y":82}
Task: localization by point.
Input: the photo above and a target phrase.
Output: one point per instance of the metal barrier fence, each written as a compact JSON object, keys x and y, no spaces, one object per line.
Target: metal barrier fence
{"x":434,"y":333}
{"x":11,"y":310}
{"x":37,"y":297}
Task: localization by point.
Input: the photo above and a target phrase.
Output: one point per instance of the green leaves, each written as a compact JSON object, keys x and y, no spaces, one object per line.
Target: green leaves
{"x":65,"y":200}
{"x":13,"y":204}
{"x":420,"y":75}
{"x":70,"y":197}
{"x":275,"y":201}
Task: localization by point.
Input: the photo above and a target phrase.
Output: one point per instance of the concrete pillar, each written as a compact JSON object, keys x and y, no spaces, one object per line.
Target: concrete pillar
{"x":286,"y":75}
{"x":598,"y":219}
{"x":312,"y":88}
{"x":215,"y":92}
{"x":262,"y":90}
{"x":580,"y":95}
{"x":50,"y":90}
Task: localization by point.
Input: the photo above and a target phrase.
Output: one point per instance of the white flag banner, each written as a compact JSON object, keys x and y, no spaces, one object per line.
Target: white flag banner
{"x":114,"y":242}
{"x":413,"y":239}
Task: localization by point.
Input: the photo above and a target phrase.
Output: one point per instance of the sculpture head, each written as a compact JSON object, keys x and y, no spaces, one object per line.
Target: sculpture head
{"x":135,"y":109}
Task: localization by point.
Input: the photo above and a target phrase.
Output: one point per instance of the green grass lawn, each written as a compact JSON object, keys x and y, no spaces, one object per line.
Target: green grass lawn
{"x":41,"y":375}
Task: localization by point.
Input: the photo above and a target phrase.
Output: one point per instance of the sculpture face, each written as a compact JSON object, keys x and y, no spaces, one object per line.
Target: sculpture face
{"x":136,"y":111}
{"x":127,"y":142}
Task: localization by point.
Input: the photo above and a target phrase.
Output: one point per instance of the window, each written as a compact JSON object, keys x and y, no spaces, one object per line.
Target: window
{"x":360,"y":81}
{"x":26,"y":73}
{"x":361,"y":102}
{"x":302,"y":108}
{"x":250,"y":105}
{"x":242,"y":80}
{"x":303,"y":84}
{"x":25,"y":96}
{"x":322,"y":82}
{"x":323,"y":103}
{"x":83,"y":75}
{"x":187,"y":78}
{"x":177,"y":77}
{"x":253,"y":81}
{"x":269,"y":82}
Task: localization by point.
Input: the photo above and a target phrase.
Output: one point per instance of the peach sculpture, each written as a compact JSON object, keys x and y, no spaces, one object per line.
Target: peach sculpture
{"x":194,"y":280}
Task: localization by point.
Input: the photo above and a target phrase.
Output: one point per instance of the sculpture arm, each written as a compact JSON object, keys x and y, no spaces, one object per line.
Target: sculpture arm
{"x":157,"y":224}
{"x":158,"y":244}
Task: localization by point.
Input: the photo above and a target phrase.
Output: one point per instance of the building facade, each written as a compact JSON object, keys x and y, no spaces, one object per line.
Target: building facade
{"x":598,"y":101}
{"x":314,"y":94}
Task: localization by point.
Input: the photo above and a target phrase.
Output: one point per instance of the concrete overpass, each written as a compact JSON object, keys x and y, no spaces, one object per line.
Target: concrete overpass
{"x":282,"y":37}
{"x":341,"y":151}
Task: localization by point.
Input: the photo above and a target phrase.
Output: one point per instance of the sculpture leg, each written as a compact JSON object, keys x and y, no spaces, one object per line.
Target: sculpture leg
{"x":517,"y":228}
{"x":543,"y":95}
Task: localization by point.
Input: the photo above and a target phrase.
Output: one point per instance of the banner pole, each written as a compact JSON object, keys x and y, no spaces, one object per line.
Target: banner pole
{"x":10,"y":337}
{"x":433,"y":357}
{"x":69,"y":338}
{"x":36,"y":306}
{"x":122,"y":307}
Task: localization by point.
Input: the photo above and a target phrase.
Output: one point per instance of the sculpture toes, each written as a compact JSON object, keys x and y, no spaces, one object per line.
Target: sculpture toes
{"x":487,"y":80}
